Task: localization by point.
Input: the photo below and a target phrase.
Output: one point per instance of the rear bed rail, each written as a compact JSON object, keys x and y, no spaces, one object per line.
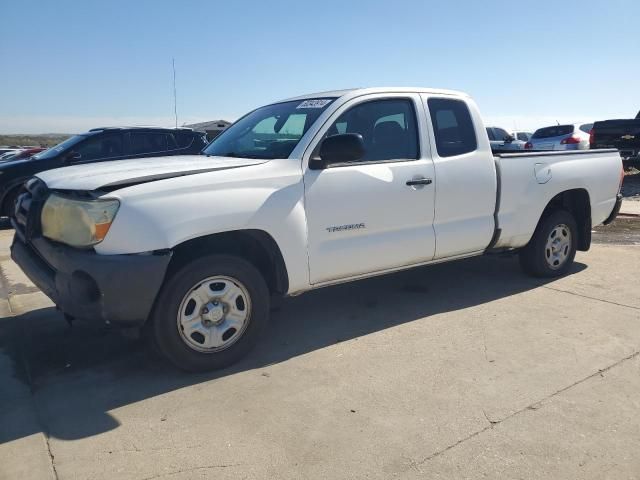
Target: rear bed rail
{"x":545,"y":153}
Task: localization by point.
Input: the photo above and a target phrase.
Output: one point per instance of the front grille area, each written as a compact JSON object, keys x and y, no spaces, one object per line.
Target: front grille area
{"x":28,"y":208}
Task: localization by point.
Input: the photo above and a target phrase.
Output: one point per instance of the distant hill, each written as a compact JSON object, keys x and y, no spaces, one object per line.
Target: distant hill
{"x":41,"y":139}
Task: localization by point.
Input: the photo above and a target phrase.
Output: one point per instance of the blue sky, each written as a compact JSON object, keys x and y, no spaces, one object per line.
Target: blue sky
{"x":71,"y":65}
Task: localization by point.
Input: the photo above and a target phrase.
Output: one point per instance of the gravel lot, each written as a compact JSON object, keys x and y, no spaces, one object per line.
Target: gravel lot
{"x":461,"y":370}
{"x":626,"y":229}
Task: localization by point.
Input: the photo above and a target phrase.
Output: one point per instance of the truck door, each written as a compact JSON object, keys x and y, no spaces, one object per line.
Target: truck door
{"x":466,"y":173}
{"x":377,"y":213}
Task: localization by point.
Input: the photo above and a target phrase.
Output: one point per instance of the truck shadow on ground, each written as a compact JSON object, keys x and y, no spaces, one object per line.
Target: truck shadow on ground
{"x":76,"y":376}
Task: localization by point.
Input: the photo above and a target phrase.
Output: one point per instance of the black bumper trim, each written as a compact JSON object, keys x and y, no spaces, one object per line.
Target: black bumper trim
{"x":111,"y":289}
{"x":615,"y":211}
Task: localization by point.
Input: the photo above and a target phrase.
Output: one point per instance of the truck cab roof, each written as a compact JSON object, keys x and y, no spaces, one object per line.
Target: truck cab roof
{"x":354,"y":92}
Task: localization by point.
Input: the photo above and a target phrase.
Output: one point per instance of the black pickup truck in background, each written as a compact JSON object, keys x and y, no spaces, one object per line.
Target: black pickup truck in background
{"x":621,"y":134}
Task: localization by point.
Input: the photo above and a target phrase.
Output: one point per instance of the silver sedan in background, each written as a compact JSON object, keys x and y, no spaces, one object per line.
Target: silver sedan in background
{"x":561,"y":137}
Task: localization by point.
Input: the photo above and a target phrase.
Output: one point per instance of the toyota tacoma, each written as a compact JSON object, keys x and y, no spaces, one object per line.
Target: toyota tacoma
{"x":296,"y":195}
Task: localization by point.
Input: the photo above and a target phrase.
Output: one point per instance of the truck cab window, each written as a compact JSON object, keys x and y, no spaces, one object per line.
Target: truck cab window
{"x":452,"y":127}
{"x":388,"y":128}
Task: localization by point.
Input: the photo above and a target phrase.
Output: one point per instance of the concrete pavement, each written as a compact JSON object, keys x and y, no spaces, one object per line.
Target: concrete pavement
{"x":461,"y":370}
{"x":630,"y":207}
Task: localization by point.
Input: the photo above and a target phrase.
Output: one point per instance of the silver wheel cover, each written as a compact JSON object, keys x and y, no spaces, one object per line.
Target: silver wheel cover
{"x":214,"y":314}
{"x":558,"y":246}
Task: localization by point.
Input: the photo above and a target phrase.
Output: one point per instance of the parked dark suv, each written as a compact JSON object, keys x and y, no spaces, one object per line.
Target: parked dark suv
{"x":98,"y":145}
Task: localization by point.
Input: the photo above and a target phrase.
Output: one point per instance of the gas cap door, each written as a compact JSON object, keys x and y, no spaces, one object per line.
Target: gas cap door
{"x":543,"y":172}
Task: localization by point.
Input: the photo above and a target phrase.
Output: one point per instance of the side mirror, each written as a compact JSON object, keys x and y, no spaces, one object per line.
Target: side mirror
{"x":508,"y":139}
{"x":341,"y":148}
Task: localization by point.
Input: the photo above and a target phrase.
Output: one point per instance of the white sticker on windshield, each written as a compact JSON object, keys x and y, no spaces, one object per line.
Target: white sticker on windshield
{"x":317,"y":103}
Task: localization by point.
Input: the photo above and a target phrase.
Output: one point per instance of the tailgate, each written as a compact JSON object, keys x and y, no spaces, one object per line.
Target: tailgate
{"x":620,"y":134}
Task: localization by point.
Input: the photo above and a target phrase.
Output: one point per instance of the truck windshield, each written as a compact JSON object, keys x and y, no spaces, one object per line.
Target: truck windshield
{"x":53,"y":151}
{"x":268,"y":132}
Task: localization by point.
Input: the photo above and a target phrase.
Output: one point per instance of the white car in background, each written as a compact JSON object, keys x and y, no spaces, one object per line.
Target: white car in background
{"x":9,"y":155}
{"x":561,"y":137}
{"x":522,"y":136}
{"x":503,"y":141}
{"x":8,"y":152}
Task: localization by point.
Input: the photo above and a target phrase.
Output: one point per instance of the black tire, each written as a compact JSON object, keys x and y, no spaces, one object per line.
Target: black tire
{"x":170,"y":341}
{"x":537,"y":260}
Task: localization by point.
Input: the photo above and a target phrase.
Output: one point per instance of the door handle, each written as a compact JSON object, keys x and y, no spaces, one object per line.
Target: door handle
{"x":419,"y":181}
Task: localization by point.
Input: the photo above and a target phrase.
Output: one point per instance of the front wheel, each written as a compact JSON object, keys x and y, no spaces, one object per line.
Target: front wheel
{"x":210,"y":312}
{"x":551,"y":250}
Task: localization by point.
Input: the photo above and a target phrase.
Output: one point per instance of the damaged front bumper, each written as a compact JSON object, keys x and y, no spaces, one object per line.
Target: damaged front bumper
{"x":110,"y":289}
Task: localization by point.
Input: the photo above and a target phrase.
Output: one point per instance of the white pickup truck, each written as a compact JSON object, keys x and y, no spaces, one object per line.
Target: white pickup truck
{"x":296,"y":195}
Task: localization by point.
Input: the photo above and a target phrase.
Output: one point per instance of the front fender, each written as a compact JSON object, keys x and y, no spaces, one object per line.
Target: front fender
{"x":160,"y":215}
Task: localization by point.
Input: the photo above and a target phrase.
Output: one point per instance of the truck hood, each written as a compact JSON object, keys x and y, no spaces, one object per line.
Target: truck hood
{"x":121,"y":173}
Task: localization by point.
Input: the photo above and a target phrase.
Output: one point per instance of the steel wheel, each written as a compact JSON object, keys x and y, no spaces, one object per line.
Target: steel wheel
{"x":210,"y":312}
{"x":214,"y":314}
{"x":552,"y":248}
{"x":558,"y":246}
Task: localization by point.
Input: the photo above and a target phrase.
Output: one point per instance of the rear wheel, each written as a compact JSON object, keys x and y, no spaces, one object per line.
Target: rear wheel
{"x":552,"y":249}
{"x":210,"y":312}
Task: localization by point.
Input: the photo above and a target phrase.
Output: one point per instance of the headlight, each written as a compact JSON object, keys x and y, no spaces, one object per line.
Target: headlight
{"x":79,"y":223}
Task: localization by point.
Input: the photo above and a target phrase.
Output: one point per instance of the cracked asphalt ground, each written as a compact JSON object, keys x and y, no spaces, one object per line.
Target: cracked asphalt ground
{"x":460,"y":370}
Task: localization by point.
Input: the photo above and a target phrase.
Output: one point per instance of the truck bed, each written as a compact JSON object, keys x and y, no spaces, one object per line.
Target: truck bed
{"x":525,"y":176}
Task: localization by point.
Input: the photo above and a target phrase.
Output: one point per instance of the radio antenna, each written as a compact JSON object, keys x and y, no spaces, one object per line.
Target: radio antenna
{"x":175,"y":102}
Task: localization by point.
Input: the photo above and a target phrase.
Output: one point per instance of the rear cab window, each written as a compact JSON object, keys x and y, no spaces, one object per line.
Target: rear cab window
{"x":555,"y":131}
{"x":452,"y":126}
